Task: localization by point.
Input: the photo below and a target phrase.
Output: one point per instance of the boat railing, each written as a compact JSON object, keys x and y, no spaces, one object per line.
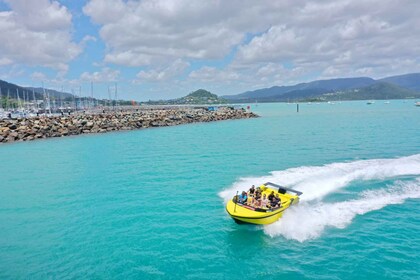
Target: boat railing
{"x":284,"y":189}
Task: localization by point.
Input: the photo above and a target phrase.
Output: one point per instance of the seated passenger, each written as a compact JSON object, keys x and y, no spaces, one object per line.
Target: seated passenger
{"x":271,"y":196}
{"x":250,"y":201}
{"x":258,"y":194}
{"x":252,"y":190}
{"x":257,"y":203}
{"x":243,"y":198}
{"x":273,"y":202}
{"x":264,"y":201}
{"x":278,"y":200}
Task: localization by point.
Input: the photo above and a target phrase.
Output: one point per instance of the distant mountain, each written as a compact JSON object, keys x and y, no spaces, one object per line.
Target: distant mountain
{"x":410,"y":81}
{"x":379,"y":90}
{"x":51,"y":92}
{"x":12,"y":89}
{"x":200,"y":96}
{"x":301,"y":90}
{"x":405,"y":86}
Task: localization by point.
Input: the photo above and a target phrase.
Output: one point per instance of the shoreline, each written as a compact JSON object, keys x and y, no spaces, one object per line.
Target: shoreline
{"x":42,"y":127}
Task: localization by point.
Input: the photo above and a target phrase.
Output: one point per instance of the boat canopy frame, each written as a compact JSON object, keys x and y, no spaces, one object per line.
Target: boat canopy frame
{"x":298,"y":193}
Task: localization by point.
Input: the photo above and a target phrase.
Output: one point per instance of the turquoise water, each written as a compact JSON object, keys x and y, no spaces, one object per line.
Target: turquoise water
{"x":149,"y":204}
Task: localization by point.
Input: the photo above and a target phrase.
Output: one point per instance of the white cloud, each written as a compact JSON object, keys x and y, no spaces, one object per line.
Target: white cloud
{"x":277,"y":43}
{"x":258,"y":43}
{"x":38,"y":33}
{"x":140,"y":33}
{"x":345,"y":38}
{"x":38,"y":76}
{"x":105,"y":75}
{"x":5,"y":61}
{"x":334,"y":38}
{"x":176,"y":68}
{"x":212,"y":74}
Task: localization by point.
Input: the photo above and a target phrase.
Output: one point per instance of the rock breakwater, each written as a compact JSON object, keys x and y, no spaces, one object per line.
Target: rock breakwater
{"x":27,"y":129}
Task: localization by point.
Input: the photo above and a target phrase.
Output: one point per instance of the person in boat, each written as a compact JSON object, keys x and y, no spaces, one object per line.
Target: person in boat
{"x":252,"y":190}
{"x":264,"y":201}
{"x":243,"y":197}
{"x":278,"y":200}
{"x":257,"y":203}
{"x":258,"y":194}
{"x":275,"y":202}
{"x":271,"y":196}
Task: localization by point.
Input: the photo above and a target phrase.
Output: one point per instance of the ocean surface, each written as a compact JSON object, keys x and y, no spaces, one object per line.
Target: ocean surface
{"x":149,"y":204}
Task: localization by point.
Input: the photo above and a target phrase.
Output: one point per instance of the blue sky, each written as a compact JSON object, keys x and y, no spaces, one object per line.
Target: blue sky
{"x":164,"y":49}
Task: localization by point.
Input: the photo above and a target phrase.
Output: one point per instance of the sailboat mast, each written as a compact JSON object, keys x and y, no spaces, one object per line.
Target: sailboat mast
{"x":35,"y":103}
{"x":61,"y":97}
{"x":91,"y":95}
{"x":74,"y":100}
{"x":7,"y":100}
{"x":109,"y":94}
{"x":116,"y":94}
{"x":24,"y":99}
{"x":18,"y":99}
{"x":80,"y":97}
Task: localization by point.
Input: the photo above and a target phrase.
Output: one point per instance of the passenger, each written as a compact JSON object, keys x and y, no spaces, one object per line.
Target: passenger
{"x":250,"y":201}
{"x":273,"y":202}
{"x":252,"y":190}
{"x":257,"y":203}
{"x":258,"y":195}
{"x":278,"y":200}
{"x":243,"y":198}
{"x":264,"y":201}
{"x":271,"y":196}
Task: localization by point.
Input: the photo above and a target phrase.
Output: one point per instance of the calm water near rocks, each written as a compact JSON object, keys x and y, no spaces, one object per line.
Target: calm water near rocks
{"x":149,"y":204}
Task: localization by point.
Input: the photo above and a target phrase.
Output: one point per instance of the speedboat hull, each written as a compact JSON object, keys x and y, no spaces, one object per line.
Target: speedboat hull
{"x":243,"y":213}
{"x":268,"y":219}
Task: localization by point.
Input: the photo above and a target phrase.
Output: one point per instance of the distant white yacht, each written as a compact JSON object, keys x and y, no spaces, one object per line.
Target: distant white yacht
{"x":370,"y":102}
{"x":417,"y":103}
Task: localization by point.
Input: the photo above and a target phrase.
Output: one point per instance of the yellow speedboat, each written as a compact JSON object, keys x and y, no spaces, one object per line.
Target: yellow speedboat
{"x":245,"y":213}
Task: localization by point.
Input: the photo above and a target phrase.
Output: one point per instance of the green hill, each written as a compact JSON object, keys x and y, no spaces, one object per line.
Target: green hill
{"x":200,"y":96}
{"x":395,"y":87}
{"x":380,"y":90}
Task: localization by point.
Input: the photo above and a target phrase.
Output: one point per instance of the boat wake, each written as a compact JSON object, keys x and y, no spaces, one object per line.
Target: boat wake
{"x":318,"y":181}
{"x":309,"y":220}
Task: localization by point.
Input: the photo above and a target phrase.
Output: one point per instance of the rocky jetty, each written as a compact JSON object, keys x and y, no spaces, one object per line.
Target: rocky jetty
{"x":27,"y":129}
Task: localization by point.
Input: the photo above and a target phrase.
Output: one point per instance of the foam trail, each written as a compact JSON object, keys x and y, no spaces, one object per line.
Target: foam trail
{"x":317,"y":181}
{"x":309,"y":220}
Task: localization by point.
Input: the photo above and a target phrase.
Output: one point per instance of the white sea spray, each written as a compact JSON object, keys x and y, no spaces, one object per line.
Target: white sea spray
{"x":312,"y":216}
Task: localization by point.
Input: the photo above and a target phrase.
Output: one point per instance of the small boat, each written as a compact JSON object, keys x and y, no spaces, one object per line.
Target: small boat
{"x":370,"y":102}
{"x":244,"y":213}
{"x":417,"y":104}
